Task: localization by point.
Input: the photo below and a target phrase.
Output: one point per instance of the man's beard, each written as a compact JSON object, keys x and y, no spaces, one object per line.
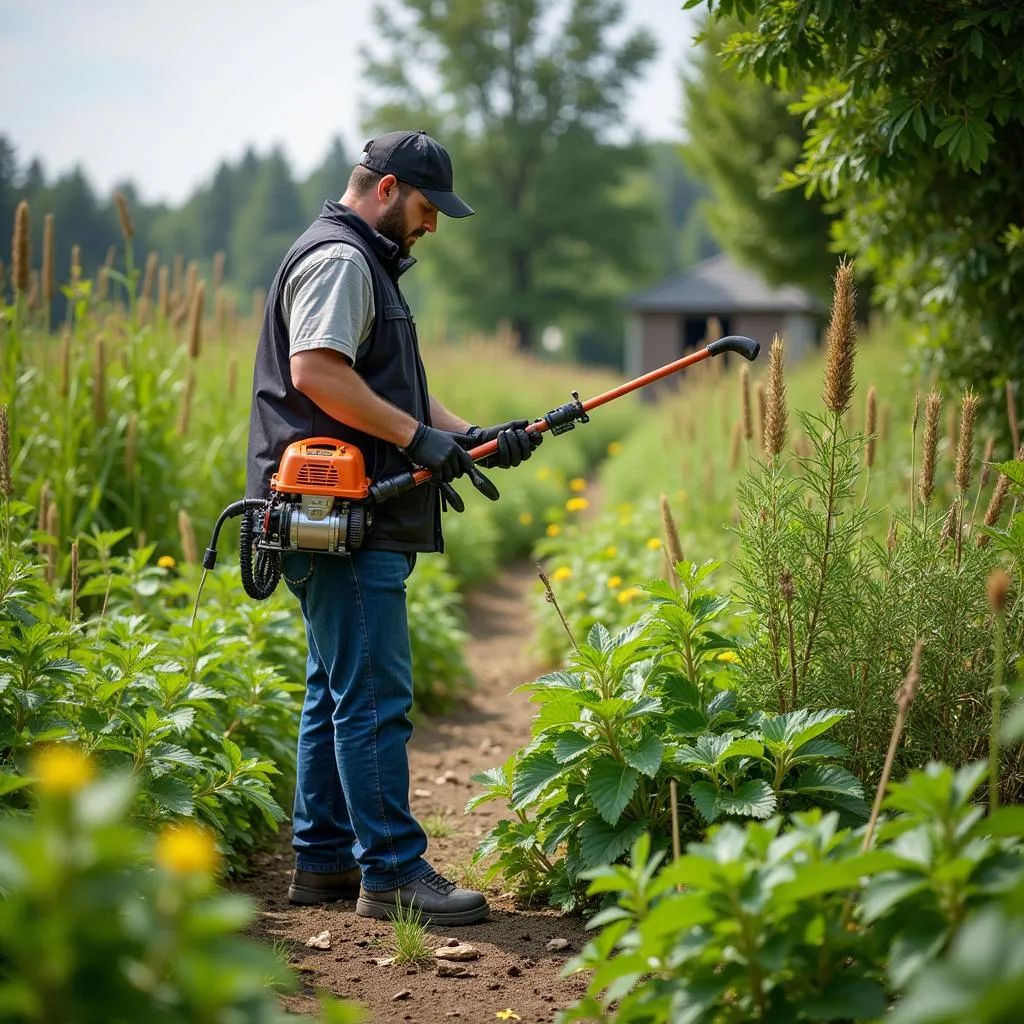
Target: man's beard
{"x":394,"y":226}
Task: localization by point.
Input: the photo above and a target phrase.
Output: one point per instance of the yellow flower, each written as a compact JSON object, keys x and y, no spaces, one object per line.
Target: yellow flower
{"x":543,"y":472}
{"x":615,"y":448}
{"x":526,"y":518}
{"x":577,"y":484}
{"x":186,"y":849}
{"x":576,"y":504}
{"x":507,"y":1015}
{"x":614,"y":582}
{"x":627,"y":595}
{"x":625,"y":520}
{"x":62,"y":768}
{"x":563,"y":572}
{"x":553,"y":530}
{"x":166,"y":562}
{"x":625,"y":507}
{"x":730,"y":656}
{"x":611,"y":551}
{"x":654,"y":543}
{"x":581,"y":596}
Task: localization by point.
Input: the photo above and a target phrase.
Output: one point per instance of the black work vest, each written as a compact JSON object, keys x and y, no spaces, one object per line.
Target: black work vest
{"x":389,"y":361}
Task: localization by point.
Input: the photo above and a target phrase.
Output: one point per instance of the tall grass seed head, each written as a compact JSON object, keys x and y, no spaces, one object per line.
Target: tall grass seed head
{"x":745,"y":408}
{"x":930,"y":446}
{"x":776,"y":415}
{"x":965,"y":443}
{"x":6,"y":486}
{"x":21,"y":252}
{"x":49,"y":259}
{"x":123,"y":215}
{"x":997,"y":587}
{"x":842,"y":342}
{"x":870,"y":424}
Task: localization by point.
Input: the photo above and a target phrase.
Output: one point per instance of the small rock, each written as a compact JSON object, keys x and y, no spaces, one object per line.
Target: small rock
{"x":460,"y":952}
{"x":422,"y":792}
{"x":453,"y":1013}
{"x":485,"y":745}
{"x":383,"y":961}
{"x":494,"y":986}
{"x":356,"y":978}
{"x":362,"y":942}
{"x":526,"y":936}
{"x":305,"y":969}
{"x":556,"y":944}
{"x":321,"y":941}
{"x":452,"y":942}
{"x":412,"y":970}
{"x":529,"y":962}
{"x":514,"y":971}
{"x":406,"y":993}
{"x":450,"y":970}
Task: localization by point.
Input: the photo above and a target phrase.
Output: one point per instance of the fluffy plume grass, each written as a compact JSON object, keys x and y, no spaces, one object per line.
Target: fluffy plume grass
{"x":736,"y":445}
{"x":21,"y":252}
{"x":195,"y":323}
{"x":930,"y":447}
{"x":124,"y":217}
{"x":189,"y":550}
{"x":99,"y":382}
{"x":49,"y":264}
{"x":841,"y":340}
{"x":668,"y":524}
{"x":870,"y":426}
{"x":776,"y":415}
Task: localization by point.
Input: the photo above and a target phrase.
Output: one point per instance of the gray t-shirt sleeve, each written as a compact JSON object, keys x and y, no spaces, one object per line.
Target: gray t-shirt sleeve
{"x":328,"y":301}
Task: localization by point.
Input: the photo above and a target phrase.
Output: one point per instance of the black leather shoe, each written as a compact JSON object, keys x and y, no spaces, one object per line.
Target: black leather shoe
{"x":309,"y":887}
{"x":438,"y":901}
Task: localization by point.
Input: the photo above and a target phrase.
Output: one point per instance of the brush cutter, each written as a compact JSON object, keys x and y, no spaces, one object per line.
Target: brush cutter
{"x":322,"y":501}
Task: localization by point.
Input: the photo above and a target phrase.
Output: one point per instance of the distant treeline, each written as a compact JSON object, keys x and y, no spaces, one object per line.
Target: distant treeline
{"x":252,"y":209}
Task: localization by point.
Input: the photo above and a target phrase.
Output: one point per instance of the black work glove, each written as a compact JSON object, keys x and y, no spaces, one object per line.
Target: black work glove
{"x":445,"y":455}
{"x":515,"y":443}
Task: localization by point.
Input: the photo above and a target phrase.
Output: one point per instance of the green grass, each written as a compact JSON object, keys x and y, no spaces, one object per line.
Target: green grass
{"x":437,"y":825}
{"x":409,"y":941}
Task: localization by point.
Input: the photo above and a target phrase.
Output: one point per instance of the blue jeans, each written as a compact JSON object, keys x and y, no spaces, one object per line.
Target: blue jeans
{"x":352,"y":785}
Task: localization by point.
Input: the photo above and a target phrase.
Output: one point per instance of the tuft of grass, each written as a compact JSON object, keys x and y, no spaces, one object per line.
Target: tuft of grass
{"x":409,"y":936}
{"x":470,"y":873}
{"x":437,"y":825}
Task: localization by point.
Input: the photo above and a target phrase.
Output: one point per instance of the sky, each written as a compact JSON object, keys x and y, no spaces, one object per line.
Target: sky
{"x":159,"y":93}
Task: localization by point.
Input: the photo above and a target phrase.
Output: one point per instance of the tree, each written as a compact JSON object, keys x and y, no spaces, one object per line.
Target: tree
{"x":916,"y":131}
{"x":526,"y":95}
{"x":267,"y":225}
{"x":328,"y":180}
{"x":741,"y":140}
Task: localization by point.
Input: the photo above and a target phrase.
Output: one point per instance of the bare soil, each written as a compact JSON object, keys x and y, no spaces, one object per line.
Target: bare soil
{"x":515,"y":970}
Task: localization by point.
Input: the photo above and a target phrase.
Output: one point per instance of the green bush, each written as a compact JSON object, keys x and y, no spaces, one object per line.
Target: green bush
{"x":102,"y":924}
{"x":797,"y":921}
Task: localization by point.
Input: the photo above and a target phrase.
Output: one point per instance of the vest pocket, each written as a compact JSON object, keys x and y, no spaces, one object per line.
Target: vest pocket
{"x":395,"y":313}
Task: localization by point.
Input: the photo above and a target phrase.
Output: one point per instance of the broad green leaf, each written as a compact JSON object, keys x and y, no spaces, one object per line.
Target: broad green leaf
{"x":10,"y":783}
{"x":600,"y":639}
{"x":754,"y":799}
{"x":1014,"y":469}
{"x":610,"y":785}
{"x":827,"y":778}
{"x":643,"y":708}
{"x":172,"y":794}
{"x":817,"y":750}
{"x":532,"y":776}
{"x":560,"y":710}
{"x":688,"y":722}
{"x":884,"y":891}
{"x":705,"y":799}
{"x":646,"y":757}
{"x":570,"y":745}
{"x":1006,"y":821}
{"x":601,"y":843}
{"x":916,"y":945}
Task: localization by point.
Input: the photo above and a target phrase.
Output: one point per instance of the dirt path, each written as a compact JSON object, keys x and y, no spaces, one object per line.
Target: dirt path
{"x":515,"y":970}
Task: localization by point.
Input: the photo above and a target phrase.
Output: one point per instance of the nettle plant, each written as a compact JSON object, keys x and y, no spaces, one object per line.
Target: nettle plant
{"x":629,"y":716}
{"x":794,"y":920}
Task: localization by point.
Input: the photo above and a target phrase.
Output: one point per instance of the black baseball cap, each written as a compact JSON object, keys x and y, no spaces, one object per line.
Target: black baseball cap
{"x":420,"y":161}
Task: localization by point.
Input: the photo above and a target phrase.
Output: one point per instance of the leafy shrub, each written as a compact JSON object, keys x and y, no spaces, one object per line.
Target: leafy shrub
{"x":102,"y":924}
{"x":629,"y":714}
{"x":795,"y":921}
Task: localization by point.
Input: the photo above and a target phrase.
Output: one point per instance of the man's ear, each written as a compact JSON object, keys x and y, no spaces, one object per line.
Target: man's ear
{"x":386,"y":188}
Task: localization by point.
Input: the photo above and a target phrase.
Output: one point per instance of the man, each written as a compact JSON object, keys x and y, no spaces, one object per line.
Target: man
{"x":338,"y":357}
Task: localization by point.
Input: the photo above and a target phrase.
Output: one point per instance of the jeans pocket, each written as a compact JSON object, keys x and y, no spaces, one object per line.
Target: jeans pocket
{"x":297,"y":567}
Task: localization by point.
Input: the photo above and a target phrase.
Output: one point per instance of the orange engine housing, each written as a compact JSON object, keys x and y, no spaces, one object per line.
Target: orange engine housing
{"x":322,"y":465}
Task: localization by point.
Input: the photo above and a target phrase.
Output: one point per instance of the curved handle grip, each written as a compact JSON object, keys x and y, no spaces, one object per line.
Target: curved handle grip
{"x":746,"y":347}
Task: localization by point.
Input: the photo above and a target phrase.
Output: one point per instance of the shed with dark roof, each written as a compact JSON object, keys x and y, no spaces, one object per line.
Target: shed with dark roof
{"x":670,"y":319}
